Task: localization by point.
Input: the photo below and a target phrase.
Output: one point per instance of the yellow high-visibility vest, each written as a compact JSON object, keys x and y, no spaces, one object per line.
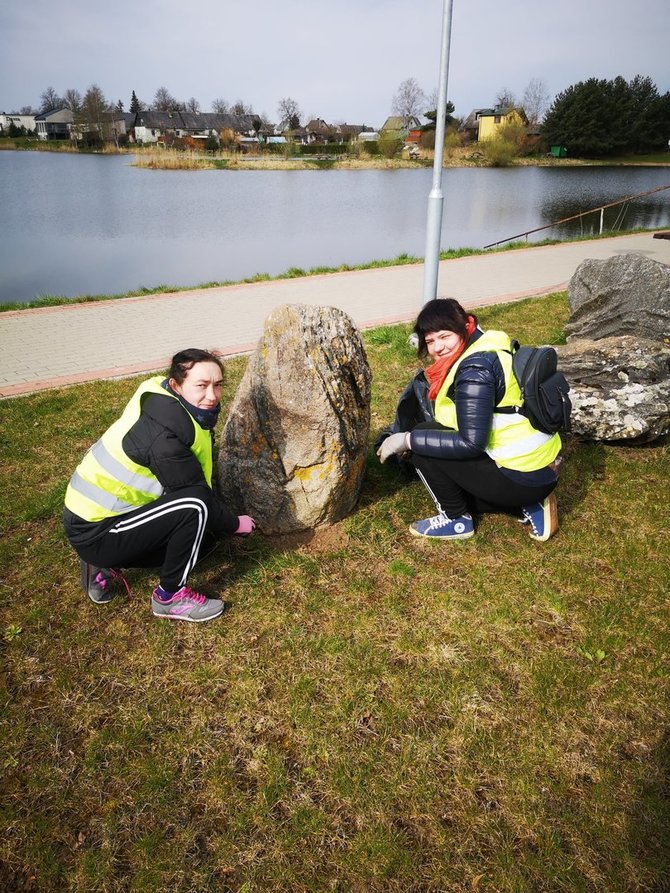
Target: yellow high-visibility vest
{"x":513,"y":442}
{"x":107,"y":482}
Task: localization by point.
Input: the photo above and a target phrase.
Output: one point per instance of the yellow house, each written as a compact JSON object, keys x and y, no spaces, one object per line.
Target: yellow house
{"x":491,"y":120}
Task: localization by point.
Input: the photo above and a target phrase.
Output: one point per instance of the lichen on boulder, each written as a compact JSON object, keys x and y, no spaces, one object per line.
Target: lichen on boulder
{"x":293,"y":448}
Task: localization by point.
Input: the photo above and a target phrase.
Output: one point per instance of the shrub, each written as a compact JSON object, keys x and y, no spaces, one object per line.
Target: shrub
{"x":275,"y":148}
{"x":390,"y":146}
{"x":211,"y":143}
{"x":371,"y":147}
{"x":428,"y":139}
{"x":324,"y":149}
{"x":498,"y":152}
{"x":90,"y":139}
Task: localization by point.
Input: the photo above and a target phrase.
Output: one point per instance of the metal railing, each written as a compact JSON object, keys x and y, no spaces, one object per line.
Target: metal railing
{"x":600,"y":208}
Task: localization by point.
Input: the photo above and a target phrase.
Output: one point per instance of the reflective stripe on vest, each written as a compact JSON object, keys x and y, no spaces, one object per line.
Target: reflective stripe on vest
{"x":513,"y":442}
{"x":148,"y":485}
{"x":107,"y":482}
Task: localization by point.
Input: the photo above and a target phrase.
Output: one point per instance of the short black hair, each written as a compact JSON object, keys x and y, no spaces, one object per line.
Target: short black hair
{"x":441,"y":315}
{"x":185,"y":360}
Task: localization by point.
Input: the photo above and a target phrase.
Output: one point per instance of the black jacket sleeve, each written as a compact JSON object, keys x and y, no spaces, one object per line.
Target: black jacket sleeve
{"x":478,"y":388}
{"x":161,"y":440}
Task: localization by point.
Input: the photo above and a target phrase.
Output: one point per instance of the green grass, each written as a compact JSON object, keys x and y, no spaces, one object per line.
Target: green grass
{"x":374,"y":712}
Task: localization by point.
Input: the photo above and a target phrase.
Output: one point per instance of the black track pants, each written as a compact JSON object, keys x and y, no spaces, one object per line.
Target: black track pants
{"x":170,"y":533}
{"x":474,"y":485}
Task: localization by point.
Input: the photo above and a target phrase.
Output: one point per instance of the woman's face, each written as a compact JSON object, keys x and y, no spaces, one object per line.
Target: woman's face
{"x":202,"y":385}
{"x":442,"y":344}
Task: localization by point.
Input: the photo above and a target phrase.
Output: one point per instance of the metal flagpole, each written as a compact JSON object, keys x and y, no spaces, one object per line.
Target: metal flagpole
{"x":436,"y":199}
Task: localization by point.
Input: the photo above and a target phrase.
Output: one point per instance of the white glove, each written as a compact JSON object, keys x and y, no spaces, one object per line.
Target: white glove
{"x":394,"y":445}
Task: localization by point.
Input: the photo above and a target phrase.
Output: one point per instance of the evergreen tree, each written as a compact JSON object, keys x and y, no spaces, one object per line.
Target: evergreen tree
{"x":432,"y":117}
{"x":134,"y":104}
{"x":596,"y":118}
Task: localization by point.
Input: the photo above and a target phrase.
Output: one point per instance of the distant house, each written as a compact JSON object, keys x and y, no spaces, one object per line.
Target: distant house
{"x":491,"y":120}
{"x":54,"y":125}
{"x":19,"y":121}
{"x":317,"y":131}
{"x":297,"y":135}
{"x":400,"y":125}
{"x":112,"y":126}
{"x":154,"y":127}
{"x":471,"y":124}
{"x":349,"y":133}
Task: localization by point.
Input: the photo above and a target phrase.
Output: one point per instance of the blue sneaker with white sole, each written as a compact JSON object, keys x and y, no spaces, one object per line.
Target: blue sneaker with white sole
{"x":442,"y":527}
{"x":542,"y":517}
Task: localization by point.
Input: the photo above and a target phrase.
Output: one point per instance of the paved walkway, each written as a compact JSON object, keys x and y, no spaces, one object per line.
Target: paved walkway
{"x":53,"y":346}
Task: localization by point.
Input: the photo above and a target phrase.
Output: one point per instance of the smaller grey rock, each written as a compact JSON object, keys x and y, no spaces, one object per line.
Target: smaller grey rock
{"x":624,"y":295}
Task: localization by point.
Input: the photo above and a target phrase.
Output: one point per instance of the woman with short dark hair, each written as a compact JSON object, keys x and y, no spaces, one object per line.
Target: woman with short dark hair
{"x":142,"y":495}
{"x":480,"y":453}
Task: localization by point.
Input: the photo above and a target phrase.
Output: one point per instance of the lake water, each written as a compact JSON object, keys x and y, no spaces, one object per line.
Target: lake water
{"x":87,"y":224}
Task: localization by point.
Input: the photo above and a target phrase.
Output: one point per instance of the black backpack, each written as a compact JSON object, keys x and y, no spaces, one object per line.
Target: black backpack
{"x":545,"y":390}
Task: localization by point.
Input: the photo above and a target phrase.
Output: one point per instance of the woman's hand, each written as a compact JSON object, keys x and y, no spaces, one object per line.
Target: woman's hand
{"x":246,"y":526}
{"x":394,"y":445}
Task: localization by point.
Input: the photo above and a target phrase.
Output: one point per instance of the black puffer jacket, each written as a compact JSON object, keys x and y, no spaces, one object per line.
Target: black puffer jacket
{"x":478,"y":387}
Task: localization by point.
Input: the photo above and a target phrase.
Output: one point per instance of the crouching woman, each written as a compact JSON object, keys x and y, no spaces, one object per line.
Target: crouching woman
{"x":142,"y":495}
{"x":480,"y":454}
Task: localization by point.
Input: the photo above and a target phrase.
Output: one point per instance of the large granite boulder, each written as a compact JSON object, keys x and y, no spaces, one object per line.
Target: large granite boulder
{"x":624,"y":295}
{"x":294,"y":446}
{"x":619,"y":388}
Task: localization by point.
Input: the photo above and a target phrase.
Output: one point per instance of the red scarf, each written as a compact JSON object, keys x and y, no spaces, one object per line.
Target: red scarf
{"x":437,"y":373}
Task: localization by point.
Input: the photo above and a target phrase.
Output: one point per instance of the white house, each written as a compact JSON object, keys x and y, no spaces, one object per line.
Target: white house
{"x":6,"y":120}
{"x":54,"y":125}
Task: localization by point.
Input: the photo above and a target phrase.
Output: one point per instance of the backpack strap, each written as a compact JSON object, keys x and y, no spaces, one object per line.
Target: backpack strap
{"x":511,"y":410}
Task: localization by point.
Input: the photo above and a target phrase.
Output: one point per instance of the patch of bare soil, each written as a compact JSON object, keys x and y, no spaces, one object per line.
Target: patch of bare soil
{"x":328,"y":538}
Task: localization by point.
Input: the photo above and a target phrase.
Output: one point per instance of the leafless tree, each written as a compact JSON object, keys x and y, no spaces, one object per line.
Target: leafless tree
{"x":72,"y":100}
{"x":289,"y":113}
{"x":535,"y":100}
{"x":505,"y":98}
{"x":193,"y":105}
{"x":220,"y":106}
{"x":239,"y":108}
{"x":93,"y":107}
{"x":26,"y":110}
{"x":164,"y":101}
{"x":50,"y":100}
{"x":409,"y":99}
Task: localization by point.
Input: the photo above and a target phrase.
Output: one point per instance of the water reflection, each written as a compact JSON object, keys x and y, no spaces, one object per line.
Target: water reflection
{"x":84,"y":225}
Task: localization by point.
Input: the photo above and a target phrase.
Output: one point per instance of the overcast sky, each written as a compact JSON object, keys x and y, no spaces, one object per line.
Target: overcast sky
{"x":341,"y":60}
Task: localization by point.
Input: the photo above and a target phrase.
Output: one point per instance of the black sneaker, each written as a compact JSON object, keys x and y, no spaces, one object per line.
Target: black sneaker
{"x":98,"y":582}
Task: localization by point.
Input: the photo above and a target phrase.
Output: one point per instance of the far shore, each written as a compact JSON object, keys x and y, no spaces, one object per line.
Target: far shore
{"x":154,"y":158}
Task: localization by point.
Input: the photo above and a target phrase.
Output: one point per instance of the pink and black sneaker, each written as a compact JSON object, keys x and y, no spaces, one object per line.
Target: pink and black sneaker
{"x":99,"y":582}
